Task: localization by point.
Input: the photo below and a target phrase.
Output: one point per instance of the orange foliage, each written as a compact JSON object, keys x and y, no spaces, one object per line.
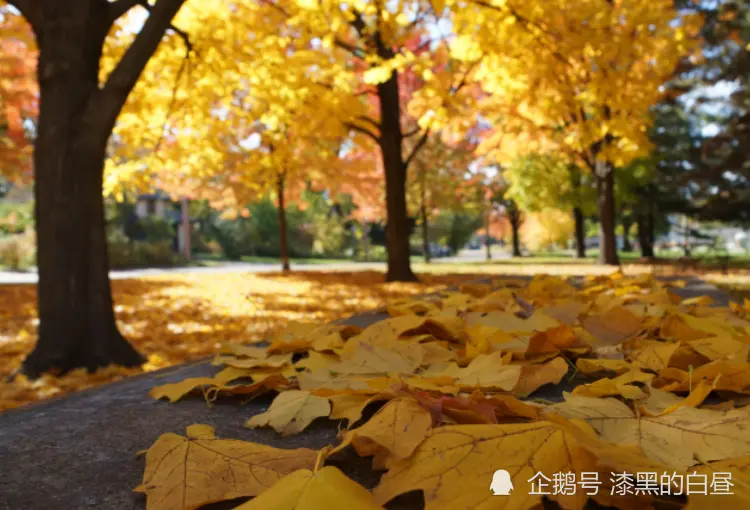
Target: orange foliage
{"x":18,"y":93}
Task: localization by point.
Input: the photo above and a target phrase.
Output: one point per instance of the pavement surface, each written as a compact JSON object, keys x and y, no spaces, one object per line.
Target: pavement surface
{"x":465,"y":256}
{"x":79,"y":451}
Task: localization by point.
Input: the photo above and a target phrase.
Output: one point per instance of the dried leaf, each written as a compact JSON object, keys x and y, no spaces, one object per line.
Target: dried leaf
{"x":398,"y":428}
{"x":677,"y":439}
{"x":184,"y":473}
{"x":305,"y":490}
{"x":534,"y":377}
{"x":291,"y":411}
{"x":612,"y":327}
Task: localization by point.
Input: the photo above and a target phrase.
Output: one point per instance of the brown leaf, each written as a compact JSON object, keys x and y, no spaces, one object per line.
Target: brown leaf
{"x":612,"y":327}
{"x":535,"y":376}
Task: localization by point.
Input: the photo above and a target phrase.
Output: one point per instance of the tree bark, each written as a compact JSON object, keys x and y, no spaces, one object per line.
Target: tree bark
{"x":391,"y":143}
{"x":77,"y":325}
{"x":605,"y":182}
{"x":283,"y":241}
{"x":627,"y":222}
{"x":514,"y":218}
{"x":644,"y":238}
{"x":514,"y":226}
{"x":425,"y":221}
{"x":580,"y":233}
{"x":487,"y":243}
{"x":366,"y":240}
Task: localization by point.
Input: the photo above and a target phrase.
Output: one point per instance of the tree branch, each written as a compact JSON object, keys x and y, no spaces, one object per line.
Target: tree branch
{"x":369,"y":120}
{"x":351,"y":48}
{"x":362,"y":130}
{"x":110,"y":99}
{"x":416,"y":148}
{"x":117,"y":9}
{"x":413,"y":132}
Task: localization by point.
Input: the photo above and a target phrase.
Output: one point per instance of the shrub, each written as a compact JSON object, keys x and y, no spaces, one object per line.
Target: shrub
{"x":125,"y":254}
{"x":18,"y":251}
{"x":158,"y":229}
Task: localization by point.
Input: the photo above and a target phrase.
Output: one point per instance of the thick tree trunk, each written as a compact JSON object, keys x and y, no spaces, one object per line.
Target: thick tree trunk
{"x":580,"y":233}
{"x":391,"y":142}
{"x":627,"y":222}
{"x":605,"y":182}
{"x":77,"y":325}
{"x":283,"y":241}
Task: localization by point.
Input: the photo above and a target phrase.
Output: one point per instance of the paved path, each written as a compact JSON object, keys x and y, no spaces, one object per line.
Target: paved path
{"x":465,"y":256}
{"x":228,"y":267}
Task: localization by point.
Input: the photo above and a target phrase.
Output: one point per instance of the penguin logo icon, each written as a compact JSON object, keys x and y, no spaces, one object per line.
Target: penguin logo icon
{"x":501,"y":483}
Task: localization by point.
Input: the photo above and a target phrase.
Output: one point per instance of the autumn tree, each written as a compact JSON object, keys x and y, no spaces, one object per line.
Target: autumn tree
{"x":18,"y":94}
{"x":379,"y":44}
{"x":581,"y":75}
{"x":542,"y":181}
{"x":435,"y":181}
{"x":77,"y":111}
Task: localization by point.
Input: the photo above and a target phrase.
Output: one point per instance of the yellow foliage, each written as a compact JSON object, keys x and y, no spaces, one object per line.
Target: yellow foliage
{"x":545,"y":229}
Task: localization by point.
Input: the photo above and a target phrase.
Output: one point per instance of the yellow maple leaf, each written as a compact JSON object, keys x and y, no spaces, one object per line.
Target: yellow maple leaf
{"x":189,"y":472}
{"x":599,"y":366}
{"x":677,"y":439}
{"x":394,"y":432}
{"x":454,"y":465}
{"x":291,"y":411}
{"x":623,"y":385}
{"x":305,"y":490}
{"x":349,"y":406}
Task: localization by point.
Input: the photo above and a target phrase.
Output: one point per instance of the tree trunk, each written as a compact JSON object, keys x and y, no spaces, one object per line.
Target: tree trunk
{"x":391,"y":141}
{"x":366,"y":240}
{"x":487,"y":234}
{"x":515,"y":225}
{"x":605,"y":181}
{"x":77,"y":325}
{"x":283,"y":242}
{"x":644,"y":238}
{"x":580,"y":233}
{"x":627,"y":222}
{"x":425,"y":224}
{"x":425,"y":235}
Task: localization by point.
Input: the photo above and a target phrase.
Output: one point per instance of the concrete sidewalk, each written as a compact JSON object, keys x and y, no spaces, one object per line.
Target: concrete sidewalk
{"x":12,"y":277}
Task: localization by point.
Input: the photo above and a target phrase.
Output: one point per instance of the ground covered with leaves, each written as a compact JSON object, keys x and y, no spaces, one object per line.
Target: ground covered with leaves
{"x":610,"y":390}
{"x":181,"y":317}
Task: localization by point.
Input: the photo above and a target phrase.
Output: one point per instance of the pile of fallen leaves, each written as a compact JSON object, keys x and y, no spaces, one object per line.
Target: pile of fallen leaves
{"x":611,"y":390}
{"x":175,"y":318}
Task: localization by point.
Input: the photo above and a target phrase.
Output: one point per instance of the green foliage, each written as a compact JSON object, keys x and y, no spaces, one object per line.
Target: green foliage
{"x":454,"y":229}
{"x":16,"y":218}
{"x":18,"y":251}
{"x":157,"y":229}
{"x":537,"y":182}
{"x":124,"y":253}
{"x":258,"y":235}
